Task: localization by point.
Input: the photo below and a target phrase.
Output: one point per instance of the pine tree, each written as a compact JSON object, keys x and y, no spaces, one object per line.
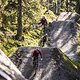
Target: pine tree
{"x":19,"y":19}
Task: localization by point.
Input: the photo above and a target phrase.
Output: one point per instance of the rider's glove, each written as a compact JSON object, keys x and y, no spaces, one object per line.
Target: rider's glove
{"x":41,"y":59}
{"x":32,"y":58}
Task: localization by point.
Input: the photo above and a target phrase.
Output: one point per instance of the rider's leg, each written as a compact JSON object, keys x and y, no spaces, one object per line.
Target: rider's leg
{"x":43,"y":43}
{"x":34,"y":63}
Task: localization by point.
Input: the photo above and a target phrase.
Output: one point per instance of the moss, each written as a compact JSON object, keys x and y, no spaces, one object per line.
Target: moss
{"x":71,"y":64}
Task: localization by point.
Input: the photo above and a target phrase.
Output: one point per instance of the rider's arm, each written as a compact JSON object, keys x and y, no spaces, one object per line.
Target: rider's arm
{"x":40,"y":21}
{"x":41,"y":54}
{"x":45,"y":21}
{"x":33,"y":53}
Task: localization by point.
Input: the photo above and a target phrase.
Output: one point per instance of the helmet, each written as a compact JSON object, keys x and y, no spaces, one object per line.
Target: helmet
{"x":43,"y":17}
{"x":37,"y":49}
{"x":46,"y":34}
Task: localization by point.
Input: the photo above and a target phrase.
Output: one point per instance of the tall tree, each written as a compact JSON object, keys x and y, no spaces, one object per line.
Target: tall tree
{"x":19,"y":19}
{"x":54,"y":6}
{"x":58,"y":6}
{"x":67,"y":5}
{"x":50,"y":1}
{"x":78,"y":7}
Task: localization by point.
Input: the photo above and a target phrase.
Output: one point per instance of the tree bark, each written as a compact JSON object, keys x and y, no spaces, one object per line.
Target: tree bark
{"x":50,"y":1}
{"x":67,"y":6}
{"x":19,"y":14}
{"x":54,"y":6}
{"x":78,"y":7}
{"x":58,"y":6}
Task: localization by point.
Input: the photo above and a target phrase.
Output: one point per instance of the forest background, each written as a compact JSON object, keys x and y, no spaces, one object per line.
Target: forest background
{"x":18,"y":20}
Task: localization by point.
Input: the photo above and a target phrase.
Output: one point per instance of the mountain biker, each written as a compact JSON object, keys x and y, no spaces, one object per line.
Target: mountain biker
{"x":35,"y":55}
{"x":43,"y":40}
{"x":43,"y":21}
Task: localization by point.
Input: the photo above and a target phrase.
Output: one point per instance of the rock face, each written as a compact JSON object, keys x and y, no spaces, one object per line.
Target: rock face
{"x":50,"y":68}
{"x":8,"y":70}
{"x":64,"y":34}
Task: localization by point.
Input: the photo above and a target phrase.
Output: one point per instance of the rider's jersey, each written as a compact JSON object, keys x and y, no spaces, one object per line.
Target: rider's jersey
{"x":43,"y":22}
{"x":36,"y":53}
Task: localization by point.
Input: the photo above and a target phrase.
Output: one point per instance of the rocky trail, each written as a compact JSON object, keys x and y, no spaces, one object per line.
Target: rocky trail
{"x":64,"y":34}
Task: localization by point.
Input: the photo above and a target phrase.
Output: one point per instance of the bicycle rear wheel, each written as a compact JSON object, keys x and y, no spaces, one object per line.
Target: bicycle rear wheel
{"x":35,"y":64}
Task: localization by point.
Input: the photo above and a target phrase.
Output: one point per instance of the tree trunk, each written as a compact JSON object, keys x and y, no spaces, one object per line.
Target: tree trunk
{"x":67,"y":6}
{"x":58,"y":6}
{"x":54,"y":6}
{"x":19,"y":29}
{"x":50,"y":1}
{"x":78,"y":7}
{"x":70,"y":7}
{"x":4,"y":21}
{"x":48,"y":5}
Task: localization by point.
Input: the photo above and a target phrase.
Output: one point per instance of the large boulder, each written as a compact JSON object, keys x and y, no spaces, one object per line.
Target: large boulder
{"x":64,"y":34}
{"x":8,"y":71}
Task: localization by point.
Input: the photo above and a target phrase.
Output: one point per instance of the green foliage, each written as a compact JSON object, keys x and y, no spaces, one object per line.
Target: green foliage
{"x":32,"y":11}
{"x":71,"y":64}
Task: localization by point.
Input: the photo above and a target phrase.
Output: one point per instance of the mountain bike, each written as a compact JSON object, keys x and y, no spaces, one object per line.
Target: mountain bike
{"x":35,"y":64}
